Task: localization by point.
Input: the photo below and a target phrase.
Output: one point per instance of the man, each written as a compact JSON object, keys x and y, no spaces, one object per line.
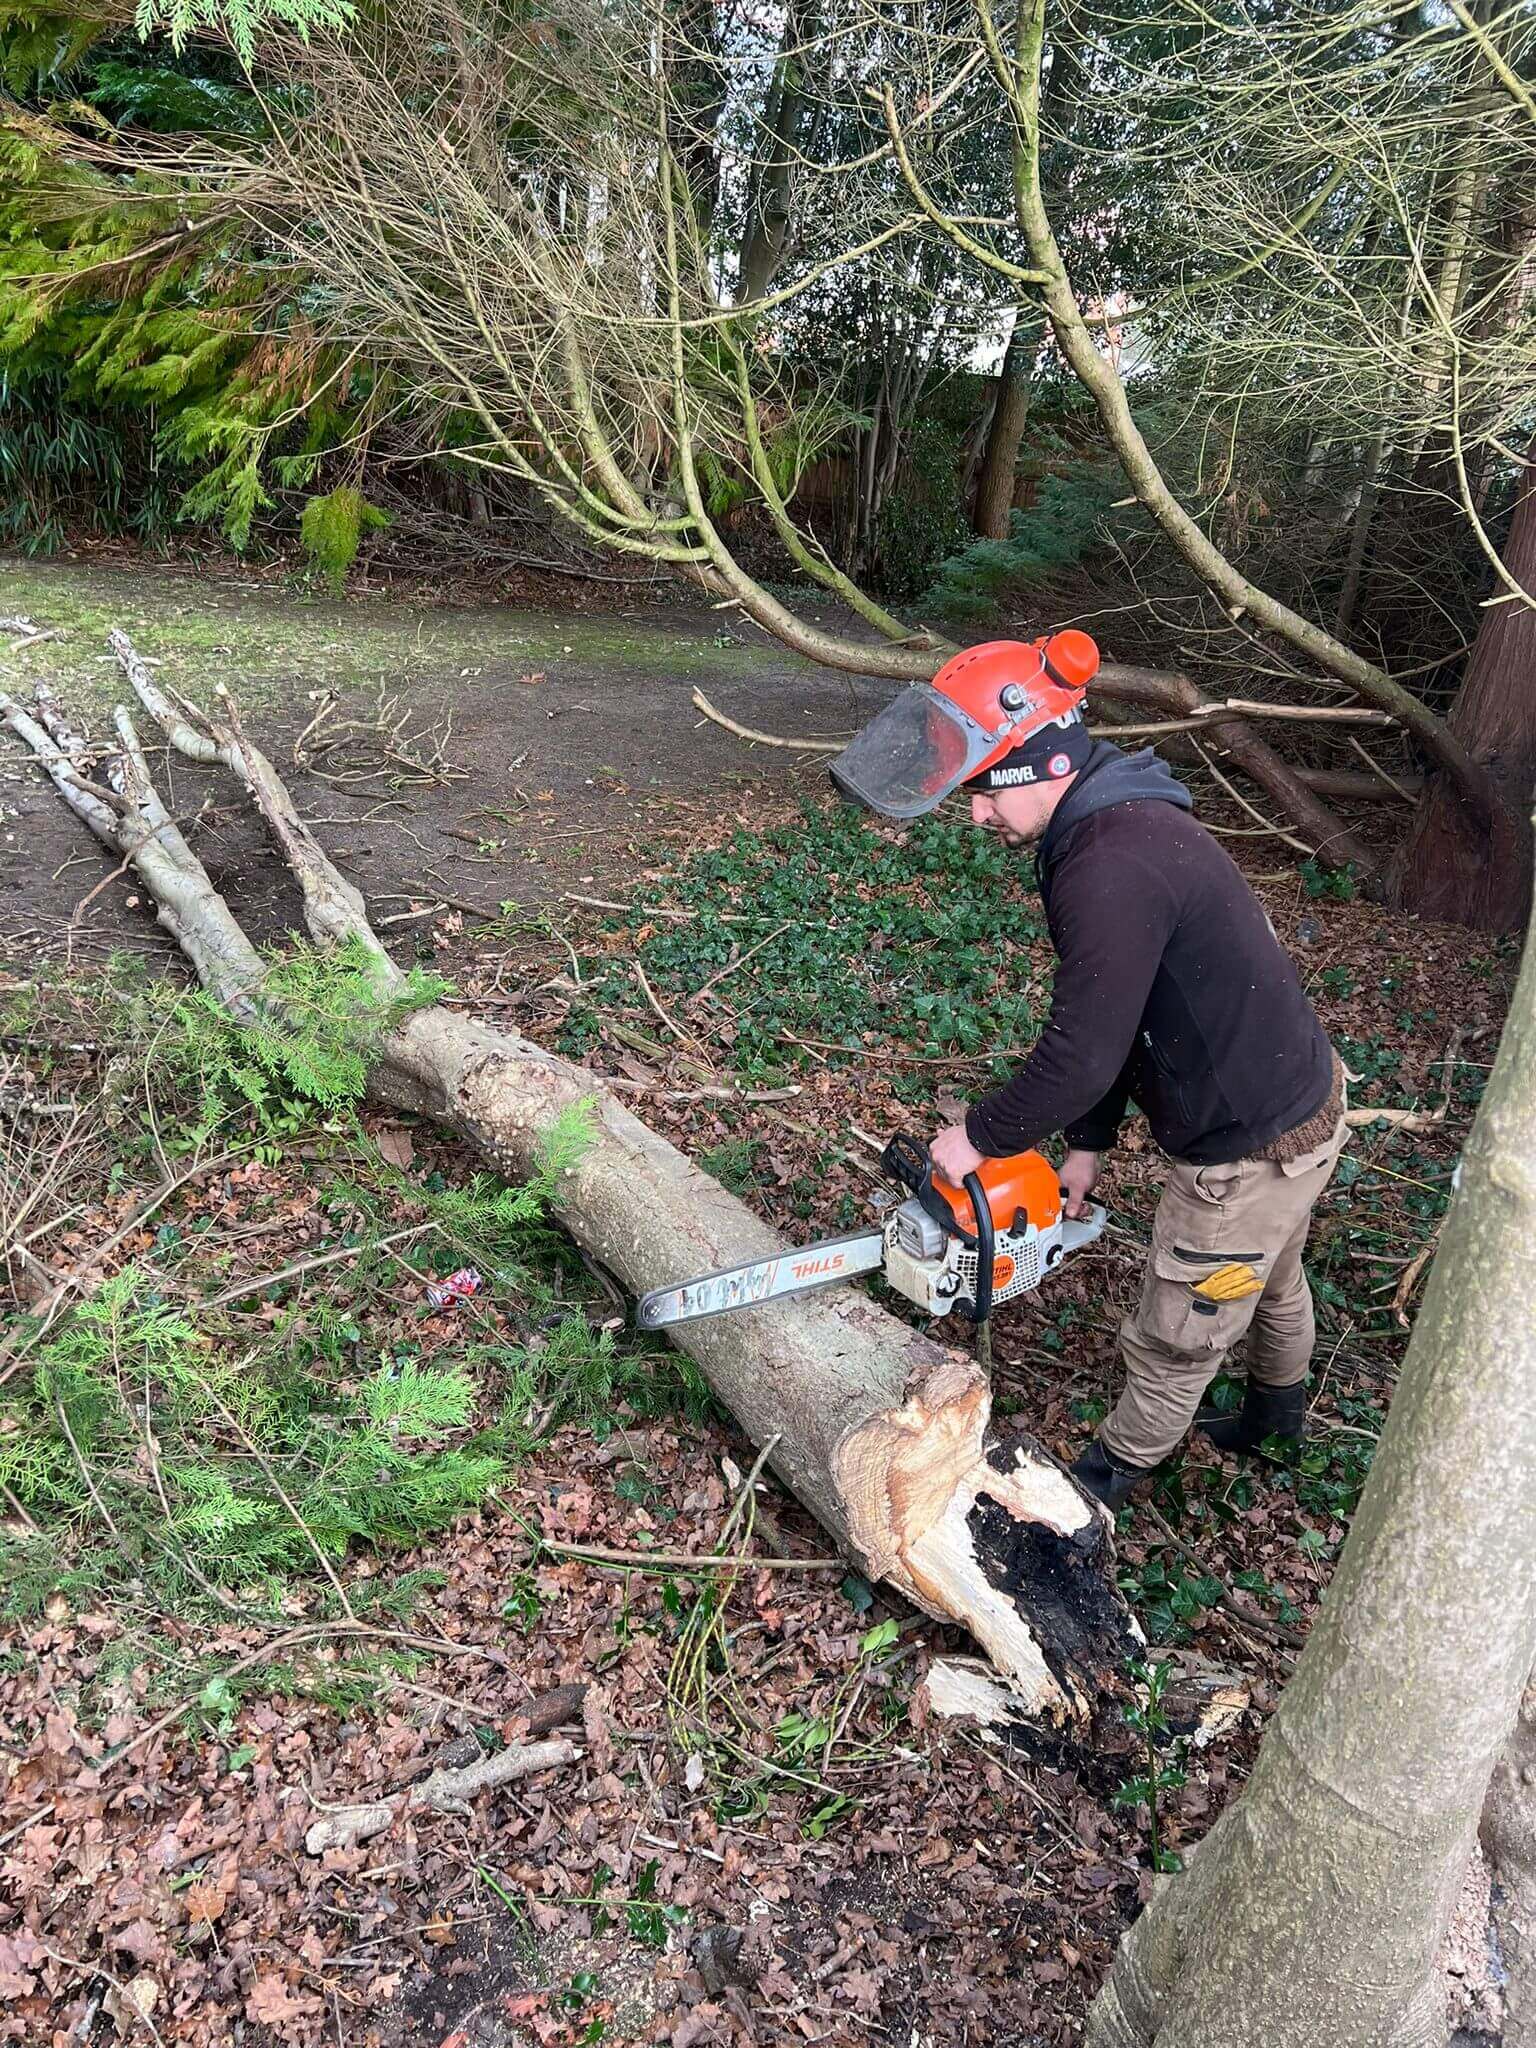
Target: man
{"x":1172,"y":992}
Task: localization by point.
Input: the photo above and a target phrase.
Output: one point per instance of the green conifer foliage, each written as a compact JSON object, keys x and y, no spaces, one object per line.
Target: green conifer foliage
{"x":149,"y":372}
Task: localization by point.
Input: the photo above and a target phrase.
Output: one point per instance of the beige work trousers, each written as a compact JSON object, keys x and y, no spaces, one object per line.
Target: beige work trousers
{"x":1225,"y":1262}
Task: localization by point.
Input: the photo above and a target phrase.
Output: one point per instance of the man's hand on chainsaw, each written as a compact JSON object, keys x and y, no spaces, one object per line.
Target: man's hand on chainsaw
{"x":1079,"y":1172}
{"x":954,"y":1156}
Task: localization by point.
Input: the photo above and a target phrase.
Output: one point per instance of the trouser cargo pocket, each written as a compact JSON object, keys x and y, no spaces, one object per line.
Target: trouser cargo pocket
{"x":1225,"y":1264}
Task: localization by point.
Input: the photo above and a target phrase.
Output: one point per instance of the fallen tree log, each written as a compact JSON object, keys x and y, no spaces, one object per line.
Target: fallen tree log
{"x":882,"y":1432}
{"x":1230,"y":735}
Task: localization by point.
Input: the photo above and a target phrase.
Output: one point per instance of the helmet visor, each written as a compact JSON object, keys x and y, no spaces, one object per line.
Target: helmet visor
{"x":912,"y":754}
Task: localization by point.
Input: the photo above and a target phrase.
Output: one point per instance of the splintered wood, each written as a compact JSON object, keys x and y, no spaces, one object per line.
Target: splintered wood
{"x":1002,"y":1537}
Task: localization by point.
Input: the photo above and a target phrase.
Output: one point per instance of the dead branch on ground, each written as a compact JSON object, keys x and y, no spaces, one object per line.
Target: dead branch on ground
{"x":446,"y":1791}
{"x":346,"y":747}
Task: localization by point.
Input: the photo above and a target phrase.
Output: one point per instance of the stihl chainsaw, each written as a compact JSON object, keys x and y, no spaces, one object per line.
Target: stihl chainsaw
{"x":944,"y":1248}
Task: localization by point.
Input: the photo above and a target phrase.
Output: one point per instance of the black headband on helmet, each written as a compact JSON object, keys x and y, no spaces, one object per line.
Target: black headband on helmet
{"x":1055,"y":751}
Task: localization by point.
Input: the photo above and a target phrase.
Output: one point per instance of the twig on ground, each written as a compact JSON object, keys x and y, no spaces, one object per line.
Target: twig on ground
{"x":740,"y":960}
{"x":1399,"y":1119}
{"x":686,"y":1560}
{"x":651,"y":909}
{"x":436,"y":1646}
{"x":31,"y":1821}
{"x":1245,"y":1615}
{"x":746,"y":1498}
{"x":409,"y":916}
{"x":459,"y":903}
{"x":766,"y":739}
{"x":1412,"y":1274}
{"x":444,"y":1792}
{"x":312,"y":1265}
{"x":417,"y":757}
{"x":18,"y":1104}
{"x":838,"y":1152}
{"x":126,"y":2002}
{"x":20,"y":1513}
{"x":684,"y":1037}
{"x":250,"y":1443}
{"x":905,"y":1059}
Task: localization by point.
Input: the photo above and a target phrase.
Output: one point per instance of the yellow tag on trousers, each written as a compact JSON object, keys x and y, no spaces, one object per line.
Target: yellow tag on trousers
{"x":1230,"y":1283}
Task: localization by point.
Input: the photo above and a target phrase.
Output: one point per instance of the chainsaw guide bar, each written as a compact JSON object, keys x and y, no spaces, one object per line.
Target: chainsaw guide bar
{"x":942,"y":1248}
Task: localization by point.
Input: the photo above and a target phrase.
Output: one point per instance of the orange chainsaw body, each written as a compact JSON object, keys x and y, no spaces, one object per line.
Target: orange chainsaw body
{"x":1020,"y":1189}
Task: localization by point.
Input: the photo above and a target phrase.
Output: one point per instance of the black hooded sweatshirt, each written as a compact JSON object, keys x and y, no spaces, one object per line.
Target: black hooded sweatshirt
{"x":1172,"y":988}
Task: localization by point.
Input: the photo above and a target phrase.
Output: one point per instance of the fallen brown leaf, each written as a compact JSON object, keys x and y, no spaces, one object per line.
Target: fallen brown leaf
{"x":395,"y":1145}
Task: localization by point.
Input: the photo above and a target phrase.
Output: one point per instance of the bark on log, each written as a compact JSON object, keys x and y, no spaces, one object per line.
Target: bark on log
{"x":882,"y":1432}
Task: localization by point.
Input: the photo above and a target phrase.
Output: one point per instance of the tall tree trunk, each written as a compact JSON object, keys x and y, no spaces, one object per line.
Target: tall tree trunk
{"x":770,"y":195}
{"x":1446,"y":867}
{"x":1010,"y":413}
{"x":883,"y":1433}
{"x":1313,"y":1914}
{"x":1010,"y":416}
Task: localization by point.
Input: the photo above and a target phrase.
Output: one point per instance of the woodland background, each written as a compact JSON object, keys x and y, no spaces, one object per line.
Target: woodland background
{"x":495,"y":399}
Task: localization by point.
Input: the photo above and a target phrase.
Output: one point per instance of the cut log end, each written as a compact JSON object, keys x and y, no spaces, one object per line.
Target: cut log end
{"x":1001,"y":1538}
{"x":1059,"y":1575}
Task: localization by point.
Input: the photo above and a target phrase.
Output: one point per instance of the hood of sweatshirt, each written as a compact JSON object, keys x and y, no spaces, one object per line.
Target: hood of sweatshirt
{"x":1111,"y":776}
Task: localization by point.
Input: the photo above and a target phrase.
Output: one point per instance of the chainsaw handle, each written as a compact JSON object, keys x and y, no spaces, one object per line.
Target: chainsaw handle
{"x":981,"y":1304}
{"x":907,"y":1160}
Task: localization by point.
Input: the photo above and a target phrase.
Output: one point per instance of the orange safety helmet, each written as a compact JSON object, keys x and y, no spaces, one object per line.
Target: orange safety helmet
{"x":980,"y":706}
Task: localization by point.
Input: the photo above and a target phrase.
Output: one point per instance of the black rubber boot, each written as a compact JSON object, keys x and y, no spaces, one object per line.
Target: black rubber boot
{"x":1098,"y":1472}
{"x":1266,"y":1411}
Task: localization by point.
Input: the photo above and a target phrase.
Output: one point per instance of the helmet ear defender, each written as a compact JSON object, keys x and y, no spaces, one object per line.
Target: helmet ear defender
{"x":1003,"y":700}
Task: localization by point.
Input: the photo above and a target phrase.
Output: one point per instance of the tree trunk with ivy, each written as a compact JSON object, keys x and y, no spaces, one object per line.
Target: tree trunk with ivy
{"x":883,"y":1433}
{"x":1314,"y":1913}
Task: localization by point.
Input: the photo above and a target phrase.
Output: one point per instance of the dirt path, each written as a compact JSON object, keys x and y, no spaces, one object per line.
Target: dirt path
{"x":573,"y":740}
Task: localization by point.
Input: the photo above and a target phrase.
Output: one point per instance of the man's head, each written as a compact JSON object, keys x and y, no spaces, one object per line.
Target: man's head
{"x":1016,"y":794}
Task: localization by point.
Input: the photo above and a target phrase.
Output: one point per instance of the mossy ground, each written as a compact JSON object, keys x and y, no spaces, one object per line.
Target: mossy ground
{"x":271,"y":644}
